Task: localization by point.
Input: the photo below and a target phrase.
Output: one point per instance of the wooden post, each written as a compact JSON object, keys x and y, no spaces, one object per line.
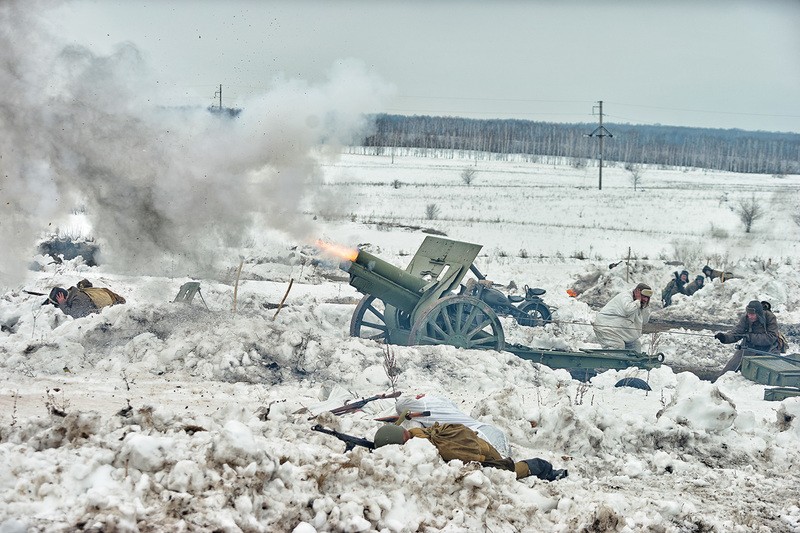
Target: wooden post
{"x":280,"y":305}
{"x":236,"y":286}
{"x":628,"y":265}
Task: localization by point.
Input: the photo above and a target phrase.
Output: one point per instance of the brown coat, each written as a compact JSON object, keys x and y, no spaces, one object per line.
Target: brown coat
{"x":692,"y":288}
{"x":760,"y":335}
{"x":103,"y":297}
{"x":457,"y":441}
{"x":84,"y":302}
{"x":714,"y":274}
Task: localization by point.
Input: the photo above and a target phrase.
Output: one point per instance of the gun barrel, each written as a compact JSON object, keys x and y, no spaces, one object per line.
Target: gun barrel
{"x":374,"y":276}
{"x":349,"y":440}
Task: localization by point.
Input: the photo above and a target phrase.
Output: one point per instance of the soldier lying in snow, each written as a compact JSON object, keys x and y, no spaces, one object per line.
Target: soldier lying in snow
{"x":444,"y":411}
{"x":459,"y":436}
{"x":457,"y":441}
{"x":82,"y":300}
{"x":713,"y":274}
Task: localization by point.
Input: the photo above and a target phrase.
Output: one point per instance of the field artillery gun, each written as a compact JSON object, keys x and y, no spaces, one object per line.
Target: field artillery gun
{"x":420,"y":305}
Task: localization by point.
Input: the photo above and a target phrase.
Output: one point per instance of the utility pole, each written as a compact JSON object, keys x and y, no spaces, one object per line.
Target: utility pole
{"x":599,"y":132}
{"x":219,"y":92}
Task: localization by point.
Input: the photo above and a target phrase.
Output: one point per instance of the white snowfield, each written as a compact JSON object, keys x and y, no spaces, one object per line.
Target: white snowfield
{"x":160,"y":416}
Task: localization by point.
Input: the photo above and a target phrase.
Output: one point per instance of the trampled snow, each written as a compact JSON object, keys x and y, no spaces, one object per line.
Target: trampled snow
{"x":155,"y":415}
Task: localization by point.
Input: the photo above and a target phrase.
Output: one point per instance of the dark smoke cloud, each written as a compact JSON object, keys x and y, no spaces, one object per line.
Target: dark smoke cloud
{"x":161,"y":186}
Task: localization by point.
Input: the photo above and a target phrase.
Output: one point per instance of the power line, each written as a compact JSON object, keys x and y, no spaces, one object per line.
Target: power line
{"x":492,"y":113}
{"x":706,"y":111}
{"x":479,"y":98}
{"x":668,"y":332}
{"x":256,"y":88}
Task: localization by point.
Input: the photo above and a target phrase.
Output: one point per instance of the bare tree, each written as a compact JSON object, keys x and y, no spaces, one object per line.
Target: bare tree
{"x":637,"y":172}
{"x":749,"y":210}
{"x":432,"y":211}
{"x":796,"y":215}
{"x":468,"y":176}
{"x":390,"y":367}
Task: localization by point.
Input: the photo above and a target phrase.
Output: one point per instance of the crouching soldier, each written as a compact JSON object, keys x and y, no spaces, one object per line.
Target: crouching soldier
{"x":457,"y":441}
{"x":83,"y":299}
{"x":694,"y":286}
{"x":757,"y":330}
{"x":675,"y":286}
{"x":618,"y":325}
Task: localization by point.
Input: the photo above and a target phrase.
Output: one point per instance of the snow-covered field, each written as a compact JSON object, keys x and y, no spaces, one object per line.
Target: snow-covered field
{"x":154,"y":416}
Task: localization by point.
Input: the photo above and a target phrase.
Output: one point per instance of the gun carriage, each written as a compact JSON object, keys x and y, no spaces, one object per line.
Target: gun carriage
{"x":427,"y":304}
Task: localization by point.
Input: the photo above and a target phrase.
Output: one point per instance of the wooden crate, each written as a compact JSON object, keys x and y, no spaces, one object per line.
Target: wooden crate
{"x":780,"y":393}
{"x":772,"y":370}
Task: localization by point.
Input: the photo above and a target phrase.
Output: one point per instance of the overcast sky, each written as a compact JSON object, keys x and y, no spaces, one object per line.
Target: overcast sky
{"x":721,"y":64}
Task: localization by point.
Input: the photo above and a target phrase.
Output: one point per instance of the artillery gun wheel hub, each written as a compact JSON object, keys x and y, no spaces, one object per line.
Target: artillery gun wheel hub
{"x":460,"y":321}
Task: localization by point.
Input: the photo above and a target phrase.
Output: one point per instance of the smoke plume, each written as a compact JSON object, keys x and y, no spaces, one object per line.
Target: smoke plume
{"x":161,"y":185}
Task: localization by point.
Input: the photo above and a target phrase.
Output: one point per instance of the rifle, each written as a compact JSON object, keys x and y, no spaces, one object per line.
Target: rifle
{"x":355,"y":406}
{"x":349,"y":441}
{"x":408,"y":416}
{"x":34,"y":293}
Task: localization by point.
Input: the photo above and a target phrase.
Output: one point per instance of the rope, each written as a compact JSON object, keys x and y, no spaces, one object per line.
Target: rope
{"x":628,"y":328}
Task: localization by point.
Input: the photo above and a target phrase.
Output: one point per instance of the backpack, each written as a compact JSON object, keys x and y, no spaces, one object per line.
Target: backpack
{"x":782,"y":342}
{"x":668,"y":289}
{"x":103,"y":297}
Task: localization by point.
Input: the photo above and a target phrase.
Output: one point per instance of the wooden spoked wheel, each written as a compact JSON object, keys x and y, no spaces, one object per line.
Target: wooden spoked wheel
{"x":368,"y":320}
{"x":460,"y":321}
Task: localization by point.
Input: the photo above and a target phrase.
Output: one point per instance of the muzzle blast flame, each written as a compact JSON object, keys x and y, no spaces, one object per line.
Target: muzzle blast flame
{"x":337,"y":250}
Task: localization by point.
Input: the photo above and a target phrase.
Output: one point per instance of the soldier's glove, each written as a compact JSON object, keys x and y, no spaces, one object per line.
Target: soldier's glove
{"x":719,"y":336}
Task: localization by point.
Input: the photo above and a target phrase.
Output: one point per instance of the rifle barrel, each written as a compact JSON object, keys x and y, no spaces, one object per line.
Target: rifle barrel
{"x":349,"y":440}
{"x":409,"y":416}
{"x":355,"y":406}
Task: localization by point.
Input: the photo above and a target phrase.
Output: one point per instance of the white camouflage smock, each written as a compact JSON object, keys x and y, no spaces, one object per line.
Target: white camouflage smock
{"x":619,"y":324}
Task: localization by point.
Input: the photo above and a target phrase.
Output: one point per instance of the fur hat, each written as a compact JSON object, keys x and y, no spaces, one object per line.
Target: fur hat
{"x":645,"y":289}
{"x":756,"y":307}
{"x":389,"y":434}
{"x":51,"y":298}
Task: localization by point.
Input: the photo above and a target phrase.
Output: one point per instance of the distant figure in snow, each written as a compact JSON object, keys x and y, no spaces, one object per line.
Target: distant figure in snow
{"x":83,"y":299}
{"x":714,"y":274}
{"x":694,"y":286}
{"x":457,"y":441}
{"x":444,"y":411}
{"x":675,"y":286}
{"x":757,"y":330}
{"x":618,"y":325}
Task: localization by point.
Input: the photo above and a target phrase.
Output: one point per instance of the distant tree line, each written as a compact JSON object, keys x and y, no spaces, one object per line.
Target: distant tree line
{"x":732,"y":150}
